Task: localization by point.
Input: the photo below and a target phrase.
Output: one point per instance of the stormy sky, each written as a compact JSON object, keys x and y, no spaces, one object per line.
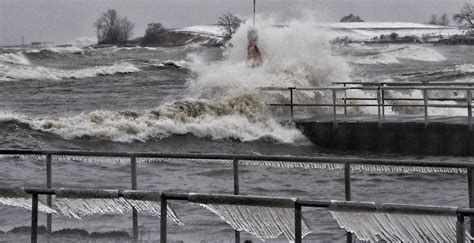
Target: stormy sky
{"x":62,"y":21}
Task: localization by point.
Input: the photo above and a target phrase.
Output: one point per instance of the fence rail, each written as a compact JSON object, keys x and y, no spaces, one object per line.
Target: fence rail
{"x":344,"y":164}
{"x":296,"y":204}
{"x":379,"y":91}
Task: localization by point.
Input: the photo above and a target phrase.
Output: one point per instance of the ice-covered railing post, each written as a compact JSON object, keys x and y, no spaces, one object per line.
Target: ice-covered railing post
{"x":347,"y":191}
{"x":34,"y":218}
{"x":133,"y":171}
{"x":236,"y":191}
{"x":469,"y":108}
{"x":470,"y":184}
{"x":49,"y":180}
{"x":291,"y":104}
{"x":334,"y":107}
{"x":460,"y":229}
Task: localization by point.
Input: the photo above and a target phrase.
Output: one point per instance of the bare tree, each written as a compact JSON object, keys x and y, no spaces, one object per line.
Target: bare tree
{"x":152,"y":33}
{"x":111,"y":28}
{"x":466,"y":17}
{"x":230,"y":23}
{"x":434,"y":19}
{"x":444,"y":20}
{"x":126,"y":28}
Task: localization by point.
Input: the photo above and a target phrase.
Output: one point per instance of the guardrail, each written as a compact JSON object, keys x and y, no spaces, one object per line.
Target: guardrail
{"x":343,"y":164}
{"x":379,"y":91}
{"x":297,"y":204}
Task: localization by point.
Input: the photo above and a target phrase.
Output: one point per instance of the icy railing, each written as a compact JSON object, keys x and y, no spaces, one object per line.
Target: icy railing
{"x":270,"y":217}
{"x":17,"y":197}
{"x":319,"y":162}
{"x":395,"y":223}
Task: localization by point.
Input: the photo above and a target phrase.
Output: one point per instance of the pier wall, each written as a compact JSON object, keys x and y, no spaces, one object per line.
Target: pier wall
{"x":436,"y":138}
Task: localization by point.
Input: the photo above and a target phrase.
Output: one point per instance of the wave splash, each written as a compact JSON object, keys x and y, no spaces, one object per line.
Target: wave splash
{"x":239,"y":118}
{"x":225,"y":101}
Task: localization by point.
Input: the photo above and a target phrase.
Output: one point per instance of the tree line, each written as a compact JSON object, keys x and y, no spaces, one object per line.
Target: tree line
{"x":111,"y":28}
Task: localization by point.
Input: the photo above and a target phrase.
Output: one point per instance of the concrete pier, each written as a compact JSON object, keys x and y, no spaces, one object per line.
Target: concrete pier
{"x":394,"y":134}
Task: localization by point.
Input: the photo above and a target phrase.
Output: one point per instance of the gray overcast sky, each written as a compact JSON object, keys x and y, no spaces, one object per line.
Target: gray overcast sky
{"x":65,"y":20}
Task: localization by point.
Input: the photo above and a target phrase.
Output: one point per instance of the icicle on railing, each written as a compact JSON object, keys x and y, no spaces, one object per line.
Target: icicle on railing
{"x":375,"y":223}
{"x":96,"y":160}
{"x":79,"y":204}
{"x":407,"y":169}
{"x":355,"y":167}
{"x":17,"y":197}
{"x":290,"y":165}
{"x":149,"y":204}
{"x":24,"y":156}
{"x":180,"y":160}
{"x":264,"y":222}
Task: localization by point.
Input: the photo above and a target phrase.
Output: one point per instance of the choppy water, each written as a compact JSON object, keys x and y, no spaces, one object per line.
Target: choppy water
{"x":123,"y":99}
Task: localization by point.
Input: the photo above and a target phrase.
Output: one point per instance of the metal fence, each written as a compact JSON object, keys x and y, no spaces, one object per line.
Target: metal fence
{"x":340,"y":98}
{"x":297,"y":204}
{"x":345,"y":165}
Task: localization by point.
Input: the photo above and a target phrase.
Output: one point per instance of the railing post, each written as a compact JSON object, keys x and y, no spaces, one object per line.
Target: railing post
{"x":34,"y":218}
{"x":347,"y":187}
{"x":164,"y":214}
{"x":49,"y":180}
{"x":379,"y":122}
{"x":460,"y":229}
{"x":469,"y":108}
{"x":345,"y":100}
{"x":298,"y":234}
{"x":133,"y":171}
{"x":383,"y":102}
{"x":470,"y":186}
{"x":291,"y":104}
{"x":425,"y":103}
{"x":334,"y":107}
{"x":236,"y":191}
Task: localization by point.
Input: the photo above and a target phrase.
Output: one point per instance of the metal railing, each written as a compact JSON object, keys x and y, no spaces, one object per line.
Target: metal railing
{"x":297,"y":204}
{"x":381,"y":100}
{"x":346,"y":165}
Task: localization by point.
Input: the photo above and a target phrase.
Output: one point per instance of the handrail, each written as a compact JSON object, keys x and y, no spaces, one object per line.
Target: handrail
{"x":241,"y":157}
{"x":344,"y":164}
{"x":380,"y":93}
{"x":249,"y":200}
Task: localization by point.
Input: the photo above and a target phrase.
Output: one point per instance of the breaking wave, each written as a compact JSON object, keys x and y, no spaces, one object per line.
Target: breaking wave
{"x":239,"y":118}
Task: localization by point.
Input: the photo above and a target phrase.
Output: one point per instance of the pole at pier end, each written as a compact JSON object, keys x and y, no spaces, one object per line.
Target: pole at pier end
{"x":254,"y":10}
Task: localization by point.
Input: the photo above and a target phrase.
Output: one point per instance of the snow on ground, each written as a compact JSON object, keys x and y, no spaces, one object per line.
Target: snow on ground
{"x":212,"y":30}
{"x":355,"y":31}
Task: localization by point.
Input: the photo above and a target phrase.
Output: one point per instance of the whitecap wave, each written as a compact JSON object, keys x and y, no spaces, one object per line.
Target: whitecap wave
{"x":395,"y":54}
{"x":59,"y":49}
{"x":8,"y":72}
{"x":14,"y":58}
{"x":237,"y":118}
